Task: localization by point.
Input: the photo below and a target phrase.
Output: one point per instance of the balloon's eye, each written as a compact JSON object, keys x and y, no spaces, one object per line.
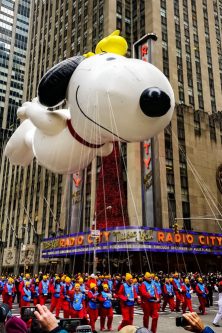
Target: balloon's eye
{"x":154,"y":102}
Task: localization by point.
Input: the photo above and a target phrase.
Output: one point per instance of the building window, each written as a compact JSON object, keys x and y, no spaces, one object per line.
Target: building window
{"x":201,"y":102}
{"x":119,"y":23}
{"x":186,"y":215}
{"x":171,"y":209}
{"x":119,"y":7}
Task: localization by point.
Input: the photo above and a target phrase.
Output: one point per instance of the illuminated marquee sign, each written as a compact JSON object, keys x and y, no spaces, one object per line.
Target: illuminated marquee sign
{"x":135,"y":239}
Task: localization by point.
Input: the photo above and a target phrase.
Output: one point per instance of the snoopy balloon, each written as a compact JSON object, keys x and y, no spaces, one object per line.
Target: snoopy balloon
{"x":109,"y":97}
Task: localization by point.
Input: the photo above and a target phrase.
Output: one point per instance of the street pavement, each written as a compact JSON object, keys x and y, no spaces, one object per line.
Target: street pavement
{"x":166,"y":322}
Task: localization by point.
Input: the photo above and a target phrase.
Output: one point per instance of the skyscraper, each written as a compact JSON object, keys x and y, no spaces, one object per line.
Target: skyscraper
{"x":14,"y":27}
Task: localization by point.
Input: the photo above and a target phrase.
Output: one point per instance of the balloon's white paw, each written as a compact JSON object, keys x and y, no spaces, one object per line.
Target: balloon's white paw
{"x":19,"y":147}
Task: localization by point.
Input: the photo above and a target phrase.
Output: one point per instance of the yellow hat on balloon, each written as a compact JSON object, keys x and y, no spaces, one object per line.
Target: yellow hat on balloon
{"x":128,"y":276}
{"x":147,"y":275}
{"x":10,"y":280}
{"x":105,"y":286}
{"x":36,"y":280}
{"x":113,"y":43}
{"x":80,"y":280}
{"x":186,"y":280}
{"x":27,"y":283}
{"x":92,"y":285}
{"x":77,"y":285}
{"x":200,"y":279}
{"x":27,"y":276}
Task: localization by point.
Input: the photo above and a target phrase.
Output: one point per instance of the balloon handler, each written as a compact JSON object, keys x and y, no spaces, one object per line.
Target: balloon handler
{"x":127,"y":295}
{"x":105,"y":299}
{"x":150,"y":302}
{"x":92,"y":308}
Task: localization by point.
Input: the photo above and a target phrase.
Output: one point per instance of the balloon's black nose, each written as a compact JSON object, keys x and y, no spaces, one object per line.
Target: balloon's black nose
{"x":154,"y":102}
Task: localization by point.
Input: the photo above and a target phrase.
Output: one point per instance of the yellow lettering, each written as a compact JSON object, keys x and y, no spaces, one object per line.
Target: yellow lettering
{"x":201,"y":240}
{"x":219,"y":240}
{"x":89,"y":239}
{"x":160,"y":236}
{"x":177,"y":238}
{"x":189,"y":239}
{"x":212,"y":238}
{"x":106,"y":235}
{"x":169,"y":238}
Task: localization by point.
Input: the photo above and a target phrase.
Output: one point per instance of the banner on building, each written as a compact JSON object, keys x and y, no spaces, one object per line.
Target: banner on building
{"x":134,"y":239}
{"x":27,"y":255}
{"x":9,"y":257}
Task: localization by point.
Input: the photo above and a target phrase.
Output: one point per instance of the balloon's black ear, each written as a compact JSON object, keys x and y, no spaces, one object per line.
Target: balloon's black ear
{"x":53,"y":85}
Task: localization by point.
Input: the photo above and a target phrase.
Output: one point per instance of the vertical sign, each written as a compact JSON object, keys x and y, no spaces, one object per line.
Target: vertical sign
{"x":143,"y":50}
{"x":76,"y":192}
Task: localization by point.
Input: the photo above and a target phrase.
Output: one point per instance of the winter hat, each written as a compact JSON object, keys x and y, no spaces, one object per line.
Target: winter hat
{"x":67,"y":280}
{"x":93,"y":276}
{"x":15,"y":325}
{"x":128,"y":276}
{"x":147,"y":275}
{"x":92,"y":285}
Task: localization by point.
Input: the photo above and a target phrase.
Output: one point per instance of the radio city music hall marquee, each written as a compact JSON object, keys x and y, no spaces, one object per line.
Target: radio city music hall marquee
{"x":134,"y":239}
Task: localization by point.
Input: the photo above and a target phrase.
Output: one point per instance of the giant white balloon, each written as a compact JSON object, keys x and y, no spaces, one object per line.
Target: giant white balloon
{"x":109,"y":98}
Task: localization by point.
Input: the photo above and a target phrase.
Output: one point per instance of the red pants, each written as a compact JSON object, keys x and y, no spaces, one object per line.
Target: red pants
{"x":202,"y":306}
{"x":3,"y":297}
{"x":66,"y":309}
{"x":42,"y":299}
{"x":103,"y":314}
{"x":24,"y":303}
{"x":76,"y":314}
{"x":93,"y":315}
{"x":55,"y":304}
{"x":187,"y":304}
{"x":36,"y":300}
{"x":8,"y":300}
{"x":179,"y":300}
{"x":150,"y":309}
{"x":127,"y":316}
{"x":170,"y":301}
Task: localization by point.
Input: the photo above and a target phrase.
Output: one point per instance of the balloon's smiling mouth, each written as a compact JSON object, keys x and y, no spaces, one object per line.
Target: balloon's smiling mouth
{"x":93,"y":121}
